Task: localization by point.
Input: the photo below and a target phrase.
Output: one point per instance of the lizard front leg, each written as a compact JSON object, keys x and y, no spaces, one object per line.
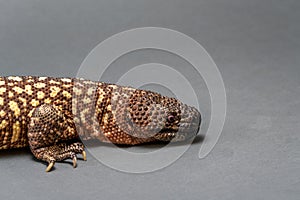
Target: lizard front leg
{"x":52,"y":136}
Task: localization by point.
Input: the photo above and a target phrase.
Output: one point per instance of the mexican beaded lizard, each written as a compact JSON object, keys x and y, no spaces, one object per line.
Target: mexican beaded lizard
{"x":51,"y":115}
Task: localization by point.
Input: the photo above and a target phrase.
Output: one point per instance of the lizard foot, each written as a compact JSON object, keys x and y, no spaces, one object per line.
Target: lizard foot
{"x":52,"y":136}
{"x":60,"y":152}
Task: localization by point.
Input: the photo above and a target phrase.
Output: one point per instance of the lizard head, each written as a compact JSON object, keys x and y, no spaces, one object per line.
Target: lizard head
{"x":148,"y":116}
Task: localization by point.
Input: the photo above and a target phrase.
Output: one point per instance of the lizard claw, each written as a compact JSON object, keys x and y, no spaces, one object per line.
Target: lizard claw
{"x":75,"y":161}
{"x":84,"y":155}
{"x":51,"y":164}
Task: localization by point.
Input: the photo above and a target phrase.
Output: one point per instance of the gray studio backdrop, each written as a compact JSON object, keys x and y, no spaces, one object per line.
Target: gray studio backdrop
{"x":256,"y":46}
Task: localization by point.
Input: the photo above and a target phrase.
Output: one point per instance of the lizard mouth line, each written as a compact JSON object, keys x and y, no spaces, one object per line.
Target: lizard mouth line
{"x":177,"y":134}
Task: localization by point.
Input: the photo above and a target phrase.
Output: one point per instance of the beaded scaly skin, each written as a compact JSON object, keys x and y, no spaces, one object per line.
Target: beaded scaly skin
{"x":52,"y":115}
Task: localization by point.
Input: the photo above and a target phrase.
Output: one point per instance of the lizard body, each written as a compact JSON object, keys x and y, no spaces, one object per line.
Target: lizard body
{"x":51,"y":115}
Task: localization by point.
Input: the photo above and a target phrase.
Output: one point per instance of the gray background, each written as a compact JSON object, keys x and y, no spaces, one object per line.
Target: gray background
{"x":256,"y":46}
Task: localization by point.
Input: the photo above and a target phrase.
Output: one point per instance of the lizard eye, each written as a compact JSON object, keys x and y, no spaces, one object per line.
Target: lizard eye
{"x":171,"y":119}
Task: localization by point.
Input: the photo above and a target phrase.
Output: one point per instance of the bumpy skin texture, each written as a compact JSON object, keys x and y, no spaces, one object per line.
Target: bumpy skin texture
{"x":52,"y":115}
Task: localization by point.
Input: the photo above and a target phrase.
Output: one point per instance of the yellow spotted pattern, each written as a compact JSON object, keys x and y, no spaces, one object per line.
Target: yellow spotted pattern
{"x":34,"y":102}
{"x":39,"y":85}
{"x":3,"y":124}
{"x":40,"y":95}
{"x":66,"y":94}
{"x":2,"y":113}
{"x":28,"y":89}
{"x":47,"y":101}
{"x":10,"y":94}
{"x":16,"y":131}
{"x":87,"y":102}
{"x":19,"y":95}
{"x":54,"y":91}
{"x":2,"y":90}
{"x":17,"y":89}
{"x":15,"y":108}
